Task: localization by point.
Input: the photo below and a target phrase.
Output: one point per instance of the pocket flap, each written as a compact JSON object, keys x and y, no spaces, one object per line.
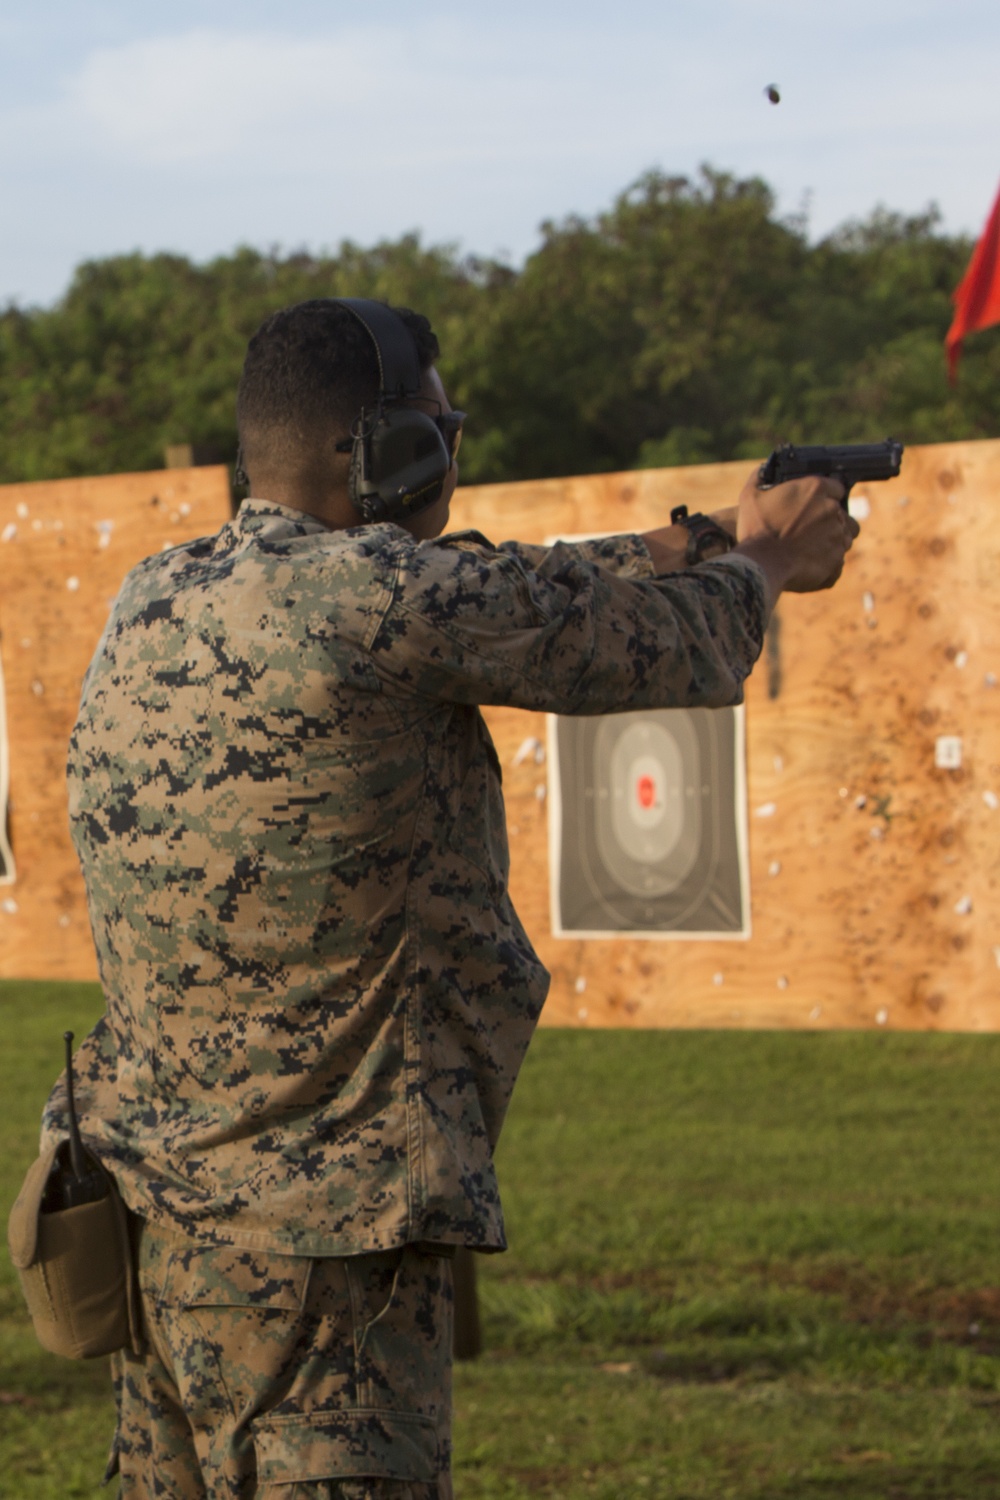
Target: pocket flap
{"x":363,"y":1442}
{"x":22,"y":1226}
{"x":226,"y":1276}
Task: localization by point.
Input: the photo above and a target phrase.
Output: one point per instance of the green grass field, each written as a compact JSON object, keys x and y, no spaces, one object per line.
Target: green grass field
{"x":745,"y":1265}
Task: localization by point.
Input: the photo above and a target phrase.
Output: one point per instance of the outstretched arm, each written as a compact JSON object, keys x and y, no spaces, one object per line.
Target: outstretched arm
{"x":798,"y":534}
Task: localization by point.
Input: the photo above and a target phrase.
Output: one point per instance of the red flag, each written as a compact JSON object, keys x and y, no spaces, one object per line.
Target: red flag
{"x":977,"y":296}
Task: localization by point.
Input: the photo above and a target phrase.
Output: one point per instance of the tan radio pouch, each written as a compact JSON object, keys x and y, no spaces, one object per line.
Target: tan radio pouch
{"x":75,"y":1265}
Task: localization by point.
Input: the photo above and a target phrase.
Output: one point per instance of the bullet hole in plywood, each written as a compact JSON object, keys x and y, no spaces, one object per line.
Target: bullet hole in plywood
{"x":530,"y":749}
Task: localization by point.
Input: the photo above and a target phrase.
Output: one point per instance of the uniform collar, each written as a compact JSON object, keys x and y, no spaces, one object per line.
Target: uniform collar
{"x":258,"y":515}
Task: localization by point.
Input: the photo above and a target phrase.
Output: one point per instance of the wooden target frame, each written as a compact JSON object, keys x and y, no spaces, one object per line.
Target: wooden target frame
{"x":873,"y":748}
{"x":873,"y":764}
{"x":65,"y":547}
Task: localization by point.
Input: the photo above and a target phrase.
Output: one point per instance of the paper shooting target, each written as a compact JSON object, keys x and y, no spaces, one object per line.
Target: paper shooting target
{"x":648,"y":824}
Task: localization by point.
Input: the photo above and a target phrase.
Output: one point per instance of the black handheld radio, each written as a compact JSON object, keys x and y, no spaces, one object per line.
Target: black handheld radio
{"x":74,"y":1179}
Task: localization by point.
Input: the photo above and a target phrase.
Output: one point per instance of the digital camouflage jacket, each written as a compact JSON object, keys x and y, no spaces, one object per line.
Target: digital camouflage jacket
{"x":288,"y":814}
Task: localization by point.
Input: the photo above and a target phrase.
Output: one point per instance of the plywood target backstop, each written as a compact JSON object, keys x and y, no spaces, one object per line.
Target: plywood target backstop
{"x":871,"y":767}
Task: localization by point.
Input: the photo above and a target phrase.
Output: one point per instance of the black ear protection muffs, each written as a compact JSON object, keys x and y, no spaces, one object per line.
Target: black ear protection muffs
{"x":399,"y":456}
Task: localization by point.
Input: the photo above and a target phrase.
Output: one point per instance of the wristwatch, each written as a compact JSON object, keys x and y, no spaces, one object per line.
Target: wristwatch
{"x":706,"y":538}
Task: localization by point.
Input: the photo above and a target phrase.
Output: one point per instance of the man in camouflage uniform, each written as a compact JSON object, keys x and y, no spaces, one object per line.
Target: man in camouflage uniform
{"x":288,"y":813}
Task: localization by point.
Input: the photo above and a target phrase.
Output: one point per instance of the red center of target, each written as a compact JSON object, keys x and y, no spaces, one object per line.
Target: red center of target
{"x":645,"y":790}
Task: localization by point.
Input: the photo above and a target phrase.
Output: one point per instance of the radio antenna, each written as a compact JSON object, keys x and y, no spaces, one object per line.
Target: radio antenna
{"x":75,"y":1143}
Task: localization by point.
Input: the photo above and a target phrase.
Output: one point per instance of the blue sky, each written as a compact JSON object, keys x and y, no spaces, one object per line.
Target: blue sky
{"x":197,"y":127}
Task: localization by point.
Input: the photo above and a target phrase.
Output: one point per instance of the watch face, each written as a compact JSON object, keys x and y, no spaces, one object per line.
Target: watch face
{"x":705,"y":539}
{"x":648,"y":824}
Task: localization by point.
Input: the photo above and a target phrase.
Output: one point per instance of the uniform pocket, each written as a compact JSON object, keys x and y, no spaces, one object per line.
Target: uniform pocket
{"x":364,"y":1443}
{"x":225,"y":1276}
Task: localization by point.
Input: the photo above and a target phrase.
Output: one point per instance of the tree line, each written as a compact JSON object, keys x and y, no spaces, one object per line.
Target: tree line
{"x":688,"y":323}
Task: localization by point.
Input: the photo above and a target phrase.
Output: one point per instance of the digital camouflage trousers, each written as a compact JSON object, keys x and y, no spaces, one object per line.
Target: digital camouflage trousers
{"x":286,"y":1378}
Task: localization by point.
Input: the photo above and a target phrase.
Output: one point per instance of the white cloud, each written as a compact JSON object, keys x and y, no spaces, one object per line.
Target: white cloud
{"x":206,"y":94}
{"x":364,"y":101}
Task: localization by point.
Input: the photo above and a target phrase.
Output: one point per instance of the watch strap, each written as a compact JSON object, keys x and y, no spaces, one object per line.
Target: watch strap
{"x":706,"y":538}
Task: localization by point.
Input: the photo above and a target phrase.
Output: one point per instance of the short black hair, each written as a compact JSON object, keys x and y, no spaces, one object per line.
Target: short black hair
{"x":309,"y":369}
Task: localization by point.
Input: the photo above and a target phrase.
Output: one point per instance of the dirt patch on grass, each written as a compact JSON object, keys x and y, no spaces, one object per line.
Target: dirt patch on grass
{"x":961,"y":1315}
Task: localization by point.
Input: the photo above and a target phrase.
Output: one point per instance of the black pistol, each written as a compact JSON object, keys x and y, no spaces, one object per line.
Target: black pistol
{"x":74,"y":1178}
{"x":848,"y":462}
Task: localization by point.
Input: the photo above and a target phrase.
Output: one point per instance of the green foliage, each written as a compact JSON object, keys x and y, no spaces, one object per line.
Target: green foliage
{"x":745,"y":1265}
{"x":687,"y":323}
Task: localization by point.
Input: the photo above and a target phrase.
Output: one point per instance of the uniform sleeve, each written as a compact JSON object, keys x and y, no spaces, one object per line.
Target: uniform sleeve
{"x":553,"y":629}
{"x":626,"y":555}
